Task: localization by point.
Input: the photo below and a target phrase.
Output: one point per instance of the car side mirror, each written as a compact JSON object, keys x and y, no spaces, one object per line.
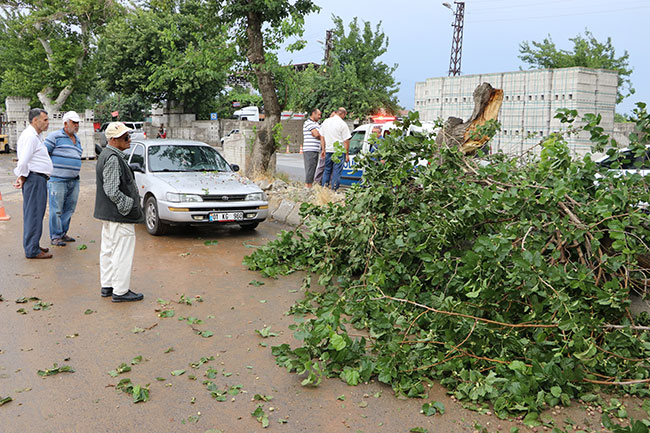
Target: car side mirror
{"x":136,"y":167}
{"x":234,"y":167}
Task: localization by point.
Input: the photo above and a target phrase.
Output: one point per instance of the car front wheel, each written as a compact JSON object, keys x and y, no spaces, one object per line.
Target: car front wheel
{"x":151,"y":219}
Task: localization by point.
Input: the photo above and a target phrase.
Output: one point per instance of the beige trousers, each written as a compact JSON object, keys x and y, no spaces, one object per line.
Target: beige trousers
{"x":116,"y":256}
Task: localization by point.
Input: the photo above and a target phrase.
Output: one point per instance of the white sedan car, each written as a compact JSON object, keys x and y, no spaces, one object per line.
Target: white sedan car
{"x":189,"y":182}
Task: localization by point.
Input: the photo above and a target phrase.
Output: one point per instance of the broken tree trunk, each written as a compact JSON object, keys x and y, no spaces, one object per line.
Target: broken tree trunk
{"x":455,"y":132}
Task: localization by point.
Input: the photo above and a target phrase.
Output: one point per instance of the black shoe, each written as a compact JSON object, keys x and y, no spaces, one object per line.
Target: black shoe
{"x":67,"y":238}
{"x":128,"y":297}
{"x":106,"y":292}
{"x":58,"y":242}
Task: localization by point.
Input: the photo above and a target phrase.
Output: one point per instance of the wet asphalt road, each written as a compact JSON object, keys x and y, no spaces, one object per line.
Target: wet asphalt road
{"x":94,"y":336}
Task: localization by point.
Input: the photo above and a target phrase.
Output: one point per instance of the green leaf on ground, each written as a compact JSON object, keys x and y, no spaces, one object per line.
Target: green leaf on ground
{"x":178,"y":372}
{"x":419,"y":430}
{"x":171,"y":349}
{"x":205,"y":334}
{"x":21,"y":311}
{"x":266,"y":332}
{"x":212,"y":242}
{"x":40,"y":305}
{"x":163,"y":302}
{"x":24,"y":300}
{"x":256,"y":283}
{"x":5,"y":400}
{"x":82,"y":247}
{"x":56,"y":370}
{"x":261,"y":416}
{"x":202,"y":361}
{"x":137,"y":330}
{"x":137,"y":360}
{"x":433,"y":408}
{"x":263,"y":397}
{"x":341,"y":397}
{"x":122,"y":368}
{"x":138,"y":392}
{"x":166,"y":313}
{"x":89,"y":311}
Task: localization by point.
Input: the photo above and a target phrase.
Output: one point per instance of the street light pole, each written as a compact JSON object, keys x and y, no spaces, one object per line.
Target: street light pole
{"x":457,"y":39}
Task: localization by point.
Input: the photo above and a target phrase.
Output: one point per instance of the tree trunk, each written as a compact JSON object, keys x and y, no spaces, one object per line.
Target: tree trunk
{"x":455,"y":132}
{"x":264,"y":145}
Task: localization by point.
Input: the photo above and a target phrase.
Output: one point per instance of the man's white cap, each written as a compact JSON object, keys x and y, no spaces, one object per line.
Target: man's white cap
{"x":71,"y":115}
{"x":116,"y":130}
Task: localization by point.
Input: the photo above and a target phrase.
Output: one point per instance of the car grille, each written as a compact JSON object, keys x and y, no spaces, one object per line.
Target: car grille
{"x":225,"y":197}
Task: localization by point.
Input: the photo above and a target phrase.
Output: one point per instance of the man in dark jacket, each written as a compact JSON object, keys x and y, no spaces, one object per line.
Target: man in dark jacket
{"x":117,"y":204}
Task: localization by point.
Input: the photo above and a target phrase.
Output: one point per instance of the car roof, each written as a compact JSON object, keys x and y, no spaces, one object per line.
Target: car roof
{"x":170,"y":142}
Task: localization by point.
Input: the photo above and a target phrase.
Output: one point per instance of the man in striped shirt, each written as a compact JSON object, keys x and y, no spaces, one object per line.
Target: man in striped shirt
{"x":64,"y":148}
{"x":311,"y":145}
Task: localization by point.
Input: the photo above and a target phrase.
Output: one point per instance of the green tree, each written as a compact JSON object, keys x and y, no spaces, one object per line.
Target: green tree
{"x":260,"y":26}
{"x":47,"y":47}
{"x":587,"y":52}
{"x":164,"y":51}
{"x":353,"y":76}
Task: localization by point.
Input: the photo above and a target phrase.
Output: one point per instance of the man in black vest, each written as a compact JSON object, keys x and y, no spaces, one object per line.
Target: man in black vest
{"x":117,"y":204}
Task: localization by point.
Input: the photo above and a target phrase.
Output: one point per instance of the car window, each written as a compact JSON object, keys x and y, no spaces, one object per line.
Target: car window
{"x":356,"y":142}
{"x":171,"y":157}
{"x":137,"y":155}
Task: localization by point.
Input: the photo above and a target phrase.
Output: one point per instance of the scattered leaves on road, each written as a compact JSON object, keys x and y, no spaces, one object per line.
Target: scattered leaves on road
{"x":256,"y":283}
{"x":171,"y":349}
{"x":262,"y":397}
{"x":21,"y":311}
{"x":82,"y":247}
{"x":40,"y":305}
{"x":213,"y":242}
{"x":137,"y":330}
{"x":166,"y":313}
{"x":137,"y":360}
{"x":202,"y":361}
{"x":5,"y":400}
{"x":178,"y":372}
{"x":56,"y":370}
{"x":89,"y":311}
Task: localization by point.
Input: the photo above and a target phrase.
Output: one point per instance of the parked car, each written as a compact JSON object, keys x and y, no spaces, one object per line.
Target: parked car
{"x":185,"y":182}
{"x":628,"y":162}
{"x":362,"y":142}
{"x":137,"y":134}
{"x":232,"y":131}
{"x":251,"y":113}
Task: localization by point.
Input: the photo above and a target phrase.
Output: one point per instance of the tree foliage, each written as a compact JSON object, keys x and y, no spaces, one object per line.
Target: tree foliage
{"x":354,"y":77}
{"x":47,"y":47}
{"x":587,"y":52}
{"x":507,"y":282}
{"x":260,"y":26}
{"x":172,"y":50}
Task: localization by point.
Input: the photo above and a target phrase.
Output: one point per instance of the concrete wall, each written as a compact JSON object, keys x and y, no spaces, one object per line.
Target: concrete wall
{"x":17,"y":121}
{"x":622,"y":131}
{"x":531,"y":99}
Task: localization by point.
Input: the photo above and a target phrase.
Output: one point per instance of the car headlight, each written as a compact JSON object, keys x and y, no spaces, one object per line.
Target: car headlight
{"x":256,"y":196}
{"x":176,"y":197}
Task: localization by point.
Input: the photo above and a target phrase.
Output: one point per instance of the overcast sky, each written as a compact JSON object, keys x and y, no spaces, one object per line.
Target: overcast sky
{"x":420,"y":33}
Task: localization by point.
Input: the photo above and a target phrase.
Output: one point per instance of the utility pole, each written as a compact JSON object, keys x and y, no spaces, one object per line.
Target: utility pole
{"x":328,"y":46}
{"x":457,"y":39}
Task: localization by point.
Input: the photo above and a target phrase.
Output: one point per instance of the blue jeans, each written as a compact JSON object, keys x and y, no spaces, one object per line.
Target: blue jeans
{"x":333,"y":170}
{"x":34,"y":204}
{"x":63,"y":201}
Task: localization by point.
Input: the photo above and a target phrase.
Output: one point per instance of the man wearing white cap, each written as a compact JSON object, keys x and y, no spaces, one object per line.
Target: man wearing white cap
{"x":117,"y":204}
{"x":65,"y":150}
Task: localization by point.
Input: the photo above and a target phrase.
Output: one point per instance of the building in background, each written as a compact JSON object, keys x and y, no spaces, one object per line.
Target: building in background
{"x":530,"y":102}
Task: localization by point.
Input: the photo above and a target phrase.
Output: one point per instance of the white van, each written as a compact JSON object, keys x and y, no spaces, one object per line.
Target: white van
{"x":251,"y":113}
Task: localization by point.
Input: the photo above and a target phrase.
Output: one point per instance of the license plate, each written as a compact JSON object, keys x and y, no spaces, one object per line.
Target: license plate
{"x":226,"y":216}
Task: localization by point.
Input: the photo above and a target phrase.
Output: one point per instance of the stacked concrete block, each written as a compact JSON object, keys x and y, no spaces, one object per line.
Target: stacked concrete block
{"x":531,"y":100}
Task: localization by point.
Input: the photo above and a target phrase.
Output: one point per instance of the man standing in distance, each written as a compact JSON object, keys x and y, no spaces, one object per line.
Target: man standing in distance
{"x":65,"y":150}
{"x":117,"y":204}
{"x":335,"y":131}
{"x":311,"y":145}
{"x":33,"y":170}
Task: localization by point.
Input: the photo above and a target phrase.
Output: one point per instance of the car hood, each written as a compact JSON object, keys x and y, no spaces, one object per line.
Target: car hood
{"x":206,"y":182}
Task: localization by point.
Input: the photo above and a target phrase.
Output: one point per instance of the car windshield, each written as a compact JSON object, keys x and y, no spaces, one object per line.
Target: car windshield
{"x":170,"y":157}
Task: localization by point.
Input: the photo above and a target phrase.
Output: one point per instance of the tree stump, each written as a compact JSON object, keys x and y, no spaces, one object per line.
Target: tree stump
{"x":455,"y":132}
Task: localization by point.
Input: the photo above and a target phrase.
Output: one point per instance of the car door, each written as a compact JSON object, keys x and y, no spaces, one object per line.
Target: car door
{"x":137,"y":159}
